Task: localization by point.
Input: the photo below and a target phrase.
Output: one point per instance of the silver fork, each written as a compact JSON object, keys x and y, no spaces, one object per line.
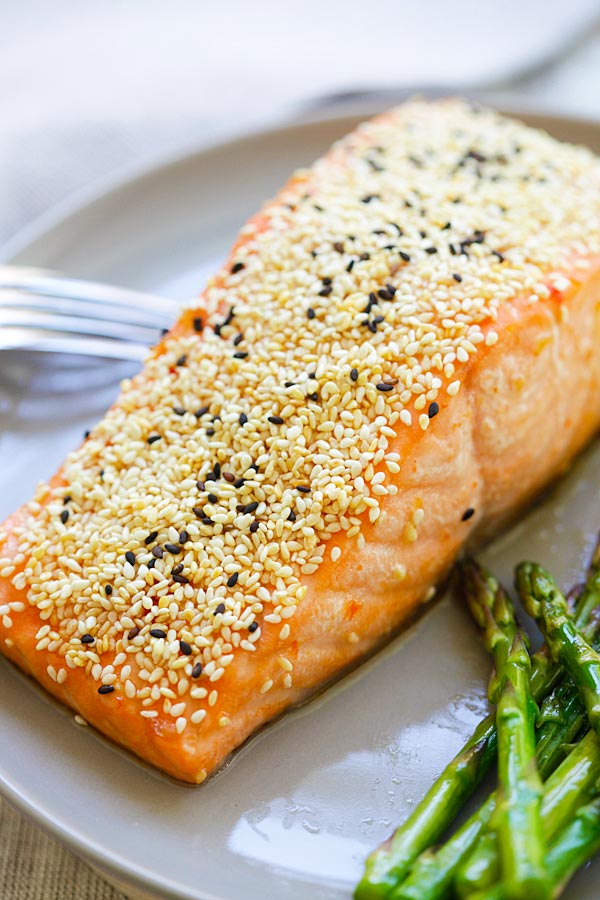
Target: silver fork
{"x":45,"y":311}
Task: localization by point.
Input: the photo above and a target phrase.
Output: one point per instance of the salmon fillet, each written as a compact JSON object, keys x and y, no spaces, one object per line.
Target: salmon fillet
{"x":398,"y":354}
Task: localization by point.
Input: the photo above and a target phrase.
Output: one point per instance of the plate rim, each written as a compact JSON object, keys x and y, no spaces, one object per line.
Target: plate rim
{"x":57,"y":216}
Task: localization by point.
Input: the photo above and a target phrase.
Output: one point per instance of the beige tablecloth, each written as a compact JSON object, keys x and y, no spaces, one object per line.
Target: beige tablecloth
{"x":34,"y":867}
{"x":82,"y":96}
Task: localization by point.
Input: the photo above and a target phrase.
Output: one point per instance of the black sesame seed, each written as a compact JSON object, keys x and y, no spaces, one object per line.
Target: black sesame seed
{"x":377,"y":320}
{"x":105,"y":689}
{"x":220,"y":609}
{"x":86,"y":434}
{"x":197,"y":670}
{"x":130,"y":557}
{"x":433,"y":410}
{"x":239,"y":482}
{"x":368,"y":197}
{"x":177,"y":570}
{"x":250,"y":507}
{"x":385,"y":294}
{"x":182,"y":360}
{"x":108,"y":590}
{"x":372,"y":326}
{"x":275,"y":420}
{"x":64,"y":516}
{"x":314,"y":397}
{"x":431,"y":250}
{"x":243,"y":418}
{"x":183,"y":537}
{"x":157,"y":552}
{"x":241,"y":354}
{"x":311,"y":313}
{"x":206,"y":520}
{"x":354,"y":374}
{"x":158,"y":633}
{"x":254,"y":527}
{"x":312,"y":375}
{"x":185,"y":648}
{"x":457,"y":277}
{"x":201,"y":412}
{"x":446,"y":226}
{"x":133,"y":632}
{"x":151,"y":563}
{"x":233,"y":579}
{"x":303,"y":488}
{"x":291,"y":516}
{"x":237,"y":267}
{"x":217,"y":471}
{"x":198,"y":323}
{"x":88,"y":639}
{"x":253,"y":627}
{"x":181,"y":579}
{"x":213,"y":498}
{"x":210,"y":432}
{"x":198,"y":512}
{"x":467,"y":514}
{"x":325,"y":292}
{"x":153,"y":438}
{"x":404,"y":256}
{"x":327,"y":280}
{"x":179,"y":410}
{"x":172,"y":548}
{"x":383,"y":386}
{"x":350,"y":265}
{"x":67,"y":498}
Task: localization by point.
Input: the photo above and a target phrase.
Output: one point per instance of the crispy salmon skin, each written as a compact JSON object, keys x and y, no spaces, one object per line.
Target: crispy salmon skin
{"x":399,"y":352}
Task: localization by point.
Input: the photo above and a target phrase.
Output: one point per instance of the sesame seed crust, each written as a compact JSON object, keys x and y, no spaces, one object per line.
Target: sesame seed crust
{"x":205,"y":499}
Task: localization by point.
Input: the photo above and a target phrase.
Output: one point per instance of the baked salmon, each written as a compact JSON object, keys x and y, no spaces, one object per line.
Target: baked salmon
{"x":399,"y":353}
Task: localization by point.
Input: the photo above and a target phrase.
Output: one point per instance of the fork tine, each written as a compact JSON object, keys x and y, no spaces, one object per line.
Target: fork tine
{"x":83,"y":308}
{"x":78,"y":325}
{"x":38,"y":281}
{"x":60,"y":342}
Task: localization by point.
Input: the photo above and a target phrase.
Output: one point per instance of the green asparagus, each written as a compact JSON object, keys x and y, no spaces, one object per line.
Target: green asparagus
{"x":390,"y":863}
{"x":543,"y":600}
{"x":562,"y":719}
{"x":572,"y":784}
{"x":571,"y":848}
{"x":517,"y":819}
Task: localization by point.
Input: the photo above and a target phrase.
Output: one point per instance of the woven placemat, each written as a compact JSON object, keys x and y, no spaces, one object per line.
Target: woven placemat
{"x":33,"y":866}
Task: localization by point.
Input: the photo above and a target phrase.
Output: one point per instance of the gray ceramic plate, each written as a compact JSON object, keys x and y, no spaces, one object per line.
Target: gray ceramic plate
{"x":295,"y":812}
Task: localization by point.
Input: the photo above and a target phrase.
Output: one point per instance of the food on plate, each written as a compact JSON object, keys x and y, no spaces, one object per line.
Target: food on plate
{"x":398,"y":354}
{"x":518,"y":818}
{"x":545,"y":603}
{"x":513,"y":846}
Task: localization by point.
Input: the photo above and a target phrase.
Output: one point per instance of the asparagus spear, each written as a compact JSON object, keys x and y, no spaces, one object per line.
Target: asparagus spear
{"x":390,"y":862}
{"x":571,"y":848}
{"x":571,"y":785}
{"x":562,"y":719}
{"x":543,"y":600}
{"x":519,"y":797}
